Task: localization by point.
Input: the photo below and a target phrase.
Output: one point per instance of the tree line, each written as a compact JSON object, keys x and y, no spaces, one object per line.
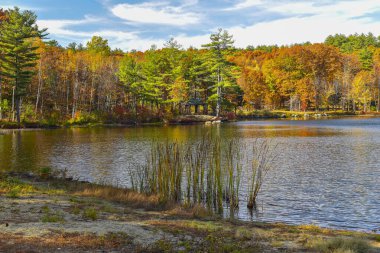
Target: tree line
{"x":41,"y":80}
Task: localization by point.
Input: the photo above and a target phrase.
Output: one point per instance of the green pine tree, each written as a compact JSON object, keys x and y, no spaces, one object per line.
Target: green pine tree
{"x":19,"y":55}
{"x":220,"y":46}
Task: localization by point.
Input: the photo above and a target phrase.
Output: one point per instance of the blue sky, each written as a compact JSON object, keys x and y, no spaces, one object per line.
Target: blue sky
{"x":132,"y":24}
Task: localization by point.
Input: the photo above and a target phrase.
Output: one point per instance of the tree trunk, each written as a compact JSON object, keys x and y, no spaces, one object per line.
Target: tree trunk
{"x":75,"y":93}
{"x":39,"y":86}
{"x":18,"y":111}
{"x":13,"y":103}
{"x":218,"y":93}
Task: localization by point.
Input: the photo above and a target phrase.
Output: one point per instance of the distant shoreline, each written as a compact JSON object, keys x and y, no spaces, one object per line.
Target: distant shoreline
{"x":197,"y":119}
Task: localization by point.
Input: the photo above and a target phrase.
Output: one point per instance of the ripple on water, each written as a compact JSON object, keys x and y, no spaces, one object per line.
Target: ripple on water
{"x":327,"y":171}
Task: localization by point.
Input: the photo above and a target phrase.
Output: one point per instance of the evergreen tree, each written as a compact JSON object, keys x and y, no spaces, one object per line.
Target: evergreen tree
{"x":19,"y":54}
{"x":3,"y":17}
{"x":131,"y":77}
{"x":220,"y":46}
{"x":366,"y":58}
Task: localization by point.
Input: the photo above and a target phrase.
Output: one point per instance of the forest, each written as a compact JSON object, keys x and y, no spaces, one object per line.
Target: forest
{"x":42,"y":81}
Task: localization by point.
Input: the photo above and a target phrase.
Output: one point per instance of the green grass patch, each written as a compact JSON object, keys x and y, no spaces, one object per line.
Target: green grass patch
{"x":51,"y":217}
{"x":90,"y":214}
{"x":14,"y":188}
{"x":339,"y":245}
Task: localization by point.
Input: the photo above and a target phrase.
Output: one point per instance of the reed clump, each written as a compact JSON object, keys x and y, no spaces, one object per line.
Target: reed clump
{"x":206,"y":172}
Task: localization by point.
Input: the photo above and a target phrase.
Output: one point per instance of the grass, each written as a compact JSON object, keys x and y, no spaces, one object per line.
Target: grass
{"x":14,"y":188}
{"x":340,"y":245}
{"x":312,"y":228}
{"x":90,"y":214}
{"x":72,"y":242}
{"x":51,"y":217}
{"x":130,"y":197}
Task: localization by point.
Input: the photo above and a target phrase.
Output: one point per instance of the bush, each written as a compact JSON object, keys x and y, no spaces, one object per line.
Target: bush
{"x":29,"y":113}
{"x":45,"y":172}
{"x":83,"y":119}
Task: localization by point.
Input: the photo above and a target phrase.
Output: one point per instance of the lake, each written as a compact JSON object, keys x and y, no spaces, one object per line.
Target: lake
{"x":327,"y":172}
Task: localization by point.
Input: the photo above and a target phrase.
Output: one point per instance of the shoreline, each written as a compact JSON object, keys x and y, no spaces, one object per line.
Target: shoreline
{"x":89,"y":217}
{"x":197,"y":119}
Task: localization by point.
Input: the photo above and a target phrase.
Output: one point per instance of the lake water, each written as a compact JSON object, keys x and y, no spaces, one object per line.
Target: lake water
{"x":327,"y":171}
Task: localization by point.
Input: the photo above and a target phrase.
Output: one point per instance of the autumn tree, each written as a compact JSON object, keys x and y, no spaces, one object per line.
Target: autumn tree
{"x":361,"y":88}
{"x":324,"y":63}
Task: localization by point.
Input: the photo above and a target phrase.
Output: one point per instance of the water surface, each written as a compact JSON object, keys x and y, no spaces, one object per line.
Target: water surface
{"x":327,"y":171}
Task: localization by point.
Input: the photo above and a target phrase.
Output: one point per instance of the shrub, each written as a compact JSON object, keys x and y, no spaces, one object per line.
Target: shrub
{"x":45,"y":172}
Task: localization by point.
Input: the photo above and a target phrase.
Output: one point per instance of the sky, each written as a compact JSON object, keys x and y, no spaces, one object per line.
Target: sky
{"x":132,"y":24}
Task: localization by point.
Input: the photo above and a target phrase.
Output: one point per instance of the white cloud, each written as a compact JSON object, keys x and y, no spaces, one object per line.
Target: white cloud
{"x":343,"y":8}
{"x":335,"y":18}
{"x":59,"y":27}
{"x":156,"y":13}
{"x":245,"y":4}
{"x":117,"y":39}
{"x":192,"y":41}
{"x":304,"y":21}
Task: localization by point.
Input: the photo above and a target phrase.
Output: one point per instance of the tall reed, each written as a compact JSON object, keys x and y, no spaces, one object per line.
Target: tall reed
{"x":162,"y":173}
{"x":263,"y":156}
{"x":233,"y":165}
{"x":203,"y":172}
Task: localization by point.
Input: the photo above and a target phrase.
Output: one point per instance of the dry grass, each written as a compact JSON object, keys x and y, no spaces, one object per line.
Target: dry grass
{"x":141,"y":200}
{"x":73,"y":242}
{"x":196,"y":211}
{"x":131,"y":198}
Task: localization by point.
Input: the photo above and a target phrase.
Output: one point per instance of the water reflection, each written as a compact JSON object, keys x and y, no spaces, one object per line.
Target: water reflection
{"x":327,"y":171}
